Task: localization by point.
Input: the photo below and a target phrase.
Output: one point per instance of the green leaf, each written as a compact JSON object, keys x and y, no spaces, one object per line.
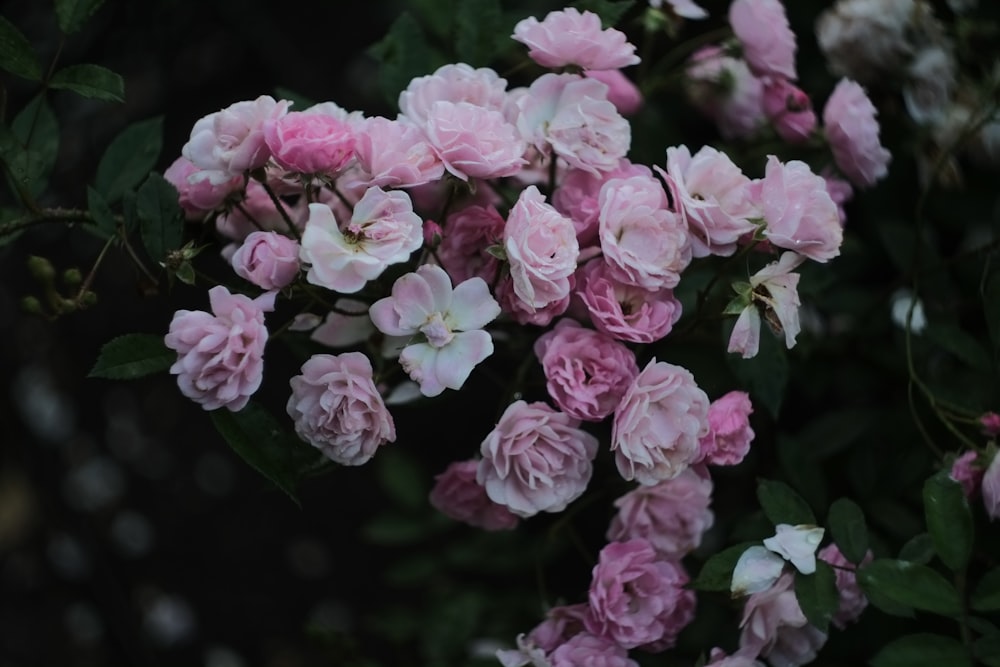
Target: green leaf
{"x":394,"y":529}
{"x":987,"y":649}
{"x":102,"y":214}
{"x":922,"y":650}
{"x":264,"y":442}
{"x":782,"y":505}
{"x":477,"y":26}
{"x":161,"y":220}
{"x":129,"y":158}
{"x":717,"y":572}
{"x":817,"y":595}
{"x":847,"y":525}
{"x":959,"y":343}
{"x":401,"y":478}
{"x":766,"y":374}
{"x":949,"y":520}
{"x":404,"y":54}
{"x":804,"y":473}
{"x":610,"y":12}
{"x":91,"y":81}
{"x":16,"y":54}
{"x":37,"y":131}
{"x":299,"y":102}
{"x":132,"y":356}
{"x":835,"y":431}
{"x":910,"y":584}
{"x":918,"y":549}
{"x":986,"y":596}
{"x":72,"y":14}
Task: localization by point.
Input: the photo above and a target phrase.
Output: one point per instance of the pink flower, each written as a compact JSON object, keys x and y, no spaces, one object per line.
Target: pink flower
{"x":768,"y":42}
{"x":789,"y":110}
{"x":638,"y":599}
{"x":852,"y":131}
{"x":395,"y":154}
{"x":729,"y":433}
{"x":718,"y":658}
{"x":337,"y":409}
{"x":725,"y":89}
{"x":220,"y":355}
{"x":474,"y":141}
{"x":799,"y":212}
{"x":445,"y":325}
{"x":199,"y":196}
{"x":228,"y":142}
{"x":852,"y":599}
{"x":773,"y":289}
{"x":455,"y":83}
{"x":309,"y":143}
{"x":990,"y":423}
{"x":587,"y":650}
{"x":672,"y":514}
{"x":774,"y":627}
{"x":561,"y":623}
{"x":536,"y":459}
{"x":624,"y":94}
{"x":541,"y":248}
{"x":522,"y":312}
{"x":644,"y":242}
{"x":586,"y":371}
{"x":257,"y":212}
{"x":966,"y":472}
{"x":840,"y":191}
{"x":457,"y":495}
{"x":991,"y":488}
{"x":576,"y":196}
{"x":268,"y":260}
{"x":658,"y":423}
{"x":466,"y":236}
{"x":569,"y":37}
{"x":383,"y":230}
{"x":623,"y":311}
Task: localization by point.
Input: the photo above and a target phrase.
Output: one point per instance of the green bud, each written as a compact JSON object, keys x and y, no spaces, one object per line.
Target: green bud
{"x":31,"y":305}
{"x":72,"y":277}
{"x":41,"y":269}
{"x":88,"y":299}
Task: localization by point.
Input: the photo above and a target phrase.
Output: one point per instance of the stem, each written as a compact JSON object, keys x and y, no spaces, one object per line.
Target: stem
{"x":253,"y":221}
{"x":89,"y":279}
{"x":281,"y":209}
{"x":47,"y":216}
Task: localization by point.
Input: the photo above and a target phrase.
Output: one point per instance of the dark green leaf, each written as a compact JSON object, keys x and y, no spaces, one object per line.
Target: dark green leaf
{"x":817,"y":595}
{"x":986,"y":595}
{"x":835,"y":431}
{"x":402,"y":479}
{"x":922,"y":650}
{"x":101,"y":213}
{"x":266,"y":444}
{"x":987,"y":649}
{"x":72,"y":14}
{"x":910,"y":584}
{"x":16,"y":54}
{"x":717,"y":572}
{"x":959,"y":343}
{"x":129,"y":158}
{"x":803,"y":472}
{"x":161,"y":220}
{"x":37,"y":130}
{"x":437,"y":15}
{"x":766,"y":374}
{"x":132,"y":356}
{"x":918,"y":549}
{"x":782,"y":505}
{"x":477,"y":24}
{"x":91,"y":81}
{"x":404,"y":54}
{"x":394,"y":529}
{"x":299,"y":102}
{"x":609,"y":11}
{"x":847,"y":525}
{"x":949,"y":520}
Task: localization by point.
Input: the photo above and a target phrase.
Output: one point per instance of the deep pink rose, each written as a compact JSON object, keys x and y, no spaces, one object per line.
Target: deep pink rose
{"x":790,"y":110}
{"x":571,"y":37}
{"x":966,"y":471}
{"x":774,"y":626}
{"x":638,"y":599}
{"x":309,"y":143}
{"x":586,"y":371}
{"x":474,"y":141}
{"x":729,"y":433}
{"x":561,"y":623}
{"x":198,"y":196}
{"x":220,"y":355}
{"x":853,"y":134}
{"x":268,"y":260}
{"x":990,"y":424}
{"x":767,"y":39}
{"x":457,"y":495}
{"x":852,"y":599}
{"x":658,"y":424}
{"x":337,"y":409}
{"x":587,"y":650}
{"x":466,"y":235}
{"x":624,"y":311}
{"x":536,"y":459}
{"x":522,"y":312}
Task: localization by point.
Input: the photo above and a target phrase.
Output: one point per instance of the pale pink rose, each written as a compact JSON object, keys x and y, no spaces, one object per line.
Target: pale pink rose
{"x":672,"y":514}
{"x":541,"y":248}
{"x":990,"y":487}
{"x":536,"y":459}
{"x":644,"y":242}
{"x":637,"y":598}
{"x":309,"y":143}
{"x":725,"y":90}
{"x":729,"y":433}
{"x":797,"y":545}
{"x":768,"y":42}
{"x":467,"y":234}
{"x":474,"y":141}
{"x":231,"y":141}
{"x":773,"y":290}
{"x":257,"y":212}
{"x":337,"y":409}
{"x":199,"y":196}
{"x":457,"y":495}
{"x":220,"y":355}
{"x":383,"y":230}
{"x":624,"y":94}
{"x":718,"y":658}
{"x":799,"y":213}
{"x":852,"y":599}
{"x":445,"y":325}
{"x":853,"y":134}
{"x":522,"y":312}
{"x":745,"y":337}
{"x":395,"y":154}
{"x":571,"y":116}
{"x":789,"y":110}
{"x":561,"y":623}
{"x":587,"y":650}
{"x":682,"y":8}
{"x":586,"y":372}
{"x":774,"y":627}
{"x":714,"y":195}
{"x":455,"y":83}
{"x":334,"y":110}
{"x":990,"y":423}
{"x":526,"y":653}
{"x":577,"y":191}
{"x":623,"y":311}
{"x":570,"y":37}
{"x":346,"y":326}
{"x":658,"y":423}
{"x":267,"y":259}
{"x":966,"y":472}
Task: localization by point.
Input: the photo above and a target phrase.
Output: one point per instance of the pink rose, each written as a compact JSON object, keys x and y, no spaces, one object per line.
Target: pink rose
{"x":966,"y":472}
{"x":623,"y":311}
{"x":774,"y":626}
{"x":624,"y":94}
{"x":587,"y":650}
{"x":457,"y":495}
{"x":268,"y":260}
{"x":852,"y":599}
{"x":467,"y":234}
{"x":990,"y":424}
{"x":672,"y":514}
{"x":638,"y":599}
{"x":522,"y":312}
{"x":789,"y":110}
{"x":569,"y":37}
{"x":561,"y":623}
{"x":474,"y":141}
{"x":309,"y":143}
{"x":586,"y":371}
{"x":852,"y":131}
{"x":220,"y":355}
{"x":576,"y":196}
{"x":395,"y":154}
{"x":455,"y":83}
{"x":729,"y":433}
{"x":541,"y":248}
{"x":337,"y":409}
{"x":725,"y":89}
{"x":990,"y":487}
{"x":256,"y":212}
{"x":536,"y":459}
{"x":658,"y":424}
{"x":199,"y":196}
{"x":768,"y":42}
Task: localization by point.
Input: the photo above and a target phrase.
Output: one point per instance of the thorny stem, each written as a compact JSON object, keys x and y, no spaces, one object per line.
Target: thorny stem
{"x":278,"y":204}
{"x":47,"y":216}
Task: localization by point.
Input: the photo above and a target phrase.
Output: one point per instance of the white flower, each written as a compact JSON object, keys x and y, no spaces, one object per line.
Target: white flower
{"x":756,"y":570}
{"x":797,"y":544}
